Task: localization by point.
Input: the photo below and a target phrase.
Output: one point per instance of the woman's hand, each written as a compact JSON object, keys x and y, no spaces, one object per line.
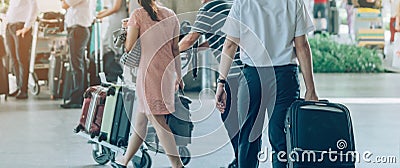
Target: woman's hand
{"x":179,"y":84}
{"x":124,"y":23}
{"x":100,"y":15}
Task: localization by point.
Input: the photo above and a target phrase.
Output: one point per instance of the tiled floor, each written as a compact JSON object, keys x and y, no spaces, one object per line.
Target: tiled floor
{"x":37,"y":133}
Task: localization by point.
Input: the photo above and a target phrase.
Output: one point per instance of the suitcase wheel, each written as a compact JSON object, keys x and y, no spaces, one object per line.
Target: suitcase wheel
{"x":87,"y":95}
{"x":185,"y":155}
{"x":144,"y":161}
{"x":121,"y":142}
{"x":78,"y":128}
{"x":130,"y":97}
{"x":102,"y":156}
{"x":111,"y":91}
{"x":102,"y":137}
{"x":92,"y":135}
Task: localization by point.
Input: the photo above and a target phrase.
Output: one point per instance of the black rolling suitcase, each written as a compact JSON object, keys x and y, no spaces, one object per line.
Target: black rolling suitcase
{"x":67,"y":82}
{"x":319,"y":135}
{"x":55,"y":75}
{"x":122,"y":118}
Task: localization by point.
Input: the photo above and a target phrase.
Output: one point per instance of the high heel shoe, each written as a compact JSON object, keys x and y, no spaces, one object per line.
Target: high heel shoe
{"x":117,"y":165}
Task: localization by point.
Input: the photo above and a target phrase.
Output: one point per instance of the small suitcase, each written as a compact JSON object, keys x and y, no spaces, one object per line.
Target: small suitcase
{"x":180,"y":121}
{"x":67,"y":82}
{"x":316,"y":129}
{"x":333,"y":21}
{"x":4,"y":85}
{"x":55,"y":75}
{"x":92,"y":111}
{"x":109,"y":112}
{"x":122,"y":104}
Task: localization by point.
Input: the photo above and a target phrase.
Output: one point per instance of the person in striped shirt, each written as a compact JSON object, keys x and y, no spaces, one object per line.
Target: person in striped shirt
{"x":210,"y":18}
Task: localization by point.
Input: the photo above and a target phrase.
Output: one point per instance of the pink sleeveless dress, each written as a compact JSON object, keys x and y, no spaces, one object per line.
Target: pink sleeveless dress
{"x":155,"y":83}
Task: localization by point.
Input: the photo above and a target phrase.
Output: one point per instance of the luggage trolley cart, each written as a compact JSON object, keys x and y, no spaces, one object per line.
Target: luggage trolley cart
{"x":46,"y":39}
{"x":103,"y":151}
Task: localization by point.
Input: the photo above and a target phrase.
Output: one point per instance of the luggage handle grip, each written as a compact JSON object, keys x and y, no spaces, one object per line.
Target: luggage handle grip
{"x":321,"y":100}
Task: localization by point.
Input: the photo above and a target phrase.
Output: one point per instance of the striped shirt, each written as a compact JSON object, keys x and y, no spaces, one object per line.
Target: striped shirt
{"x":209,"y":21}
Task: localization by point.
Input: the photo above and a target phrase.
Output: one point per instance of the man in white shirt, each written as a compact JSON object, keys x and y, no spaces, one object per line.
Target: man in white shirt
{"x":272,"y":37}
{"x":78,"y":19}
{"x":20,"y":16}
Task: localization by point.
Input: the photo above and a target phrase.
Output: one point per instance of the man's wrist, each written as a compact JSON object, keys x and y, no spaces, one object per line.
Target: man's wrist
{"x":221,"y":80}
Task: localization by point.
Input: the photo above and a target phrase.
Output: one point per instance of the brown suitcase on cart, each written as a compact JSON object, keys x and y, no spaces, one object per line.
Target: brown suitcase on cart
{"x":92,"y":110}
{"x":4,"y":86}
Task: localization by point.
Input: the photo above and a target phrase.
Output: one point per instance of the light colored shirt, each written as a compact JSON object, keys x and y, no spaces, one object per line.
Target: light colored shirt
{"x":22,"y":11}
{"x":79,"y":13}
{"x":266,"y":30}
{"x":209,"y":20}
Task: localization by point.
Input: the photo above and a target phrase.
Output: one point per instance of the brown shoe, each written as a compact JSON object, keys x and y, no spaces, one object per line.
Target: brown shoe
{"x":13,"y":94}
{"x":22,"y":95}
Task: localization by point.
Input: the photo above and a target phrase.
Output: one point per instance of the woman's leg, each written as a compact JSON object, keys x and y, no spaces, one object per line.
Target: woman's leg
{"x":136,"y":139}
{"x":167,"y":139}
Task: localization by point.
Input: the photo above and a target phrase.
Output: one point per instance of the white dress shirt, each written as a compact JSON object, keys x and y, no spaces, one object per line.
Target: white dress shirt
{"x":79,"y":13}
{"x":24,"y":11}
{"x":266,"y":29}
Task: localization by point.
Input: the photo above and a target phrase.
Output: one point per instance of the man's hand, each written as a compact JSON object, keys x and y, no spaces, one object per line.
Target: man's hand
{"x":64,"y":5}
{"x":311,"y":95}
{"x":22,"y":32}
{"x":220,"y":98}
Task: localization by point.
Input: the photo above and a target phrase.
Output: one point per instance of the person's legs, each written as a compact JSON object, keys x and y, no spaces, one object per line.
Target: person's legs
{"x":324,"y":20}
{"x":350,"y":12}
{"x":230,"y":115}
{"x":288,"y":90}
{"x":136,"y":139}
{"x":23,"y":45}
{"x":167,"y":139}
{"x":11,"y":43}
{"x":254,"y":95}
{"x":78,"y":38}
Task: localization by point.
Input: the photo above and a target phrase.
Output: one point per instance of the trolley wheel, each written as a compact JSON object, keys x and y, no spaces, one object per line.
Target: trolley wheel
{"x":185,"y":154}
{"x":143,"y":162}
{"x":101,"y":157}
{"x":33,"y":84}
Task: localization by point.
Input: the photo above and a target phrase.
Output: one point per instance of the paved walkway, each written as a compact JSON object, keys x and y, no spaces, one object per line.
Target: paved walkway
{"x":37,"y":133}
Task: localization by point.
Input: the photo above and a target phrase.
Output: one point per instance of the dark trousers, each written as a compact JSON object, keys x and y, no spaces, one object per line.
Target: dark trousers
{"x":19,"y":48}
{"x":230,"y":115}
{"x":78,"y":38}
{"x":271,"y":89}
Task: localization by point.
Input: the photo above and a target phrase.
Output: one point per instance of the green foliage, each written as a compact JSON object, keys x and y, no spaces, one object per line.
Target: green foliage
{"x":332,"y":57}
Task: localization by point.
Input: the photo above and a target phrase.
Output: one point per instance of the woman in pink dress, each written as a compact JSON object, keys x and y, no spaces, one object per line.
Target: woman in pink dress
{"x":159,"y":76}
